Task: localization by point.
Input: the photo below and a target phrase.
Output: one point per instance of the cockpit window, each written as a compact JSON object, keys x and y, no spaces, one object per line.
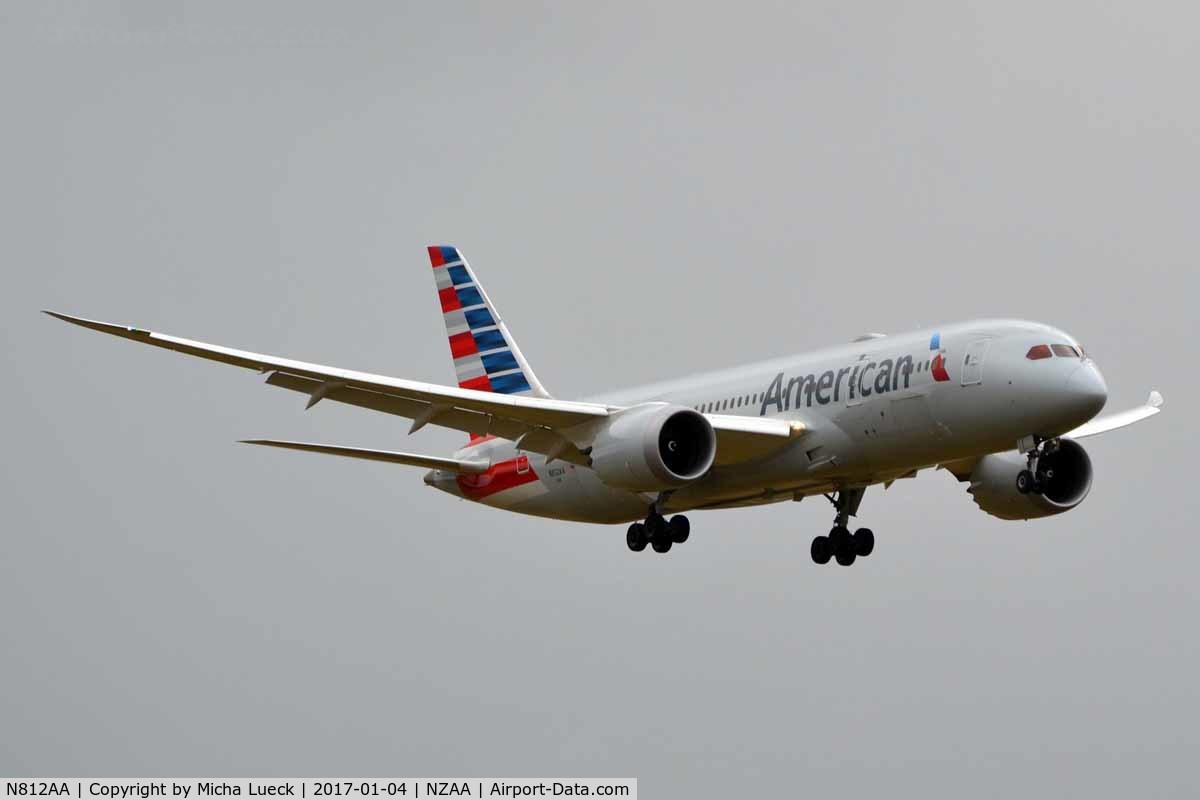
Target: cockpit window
{"x":1040,"y":351}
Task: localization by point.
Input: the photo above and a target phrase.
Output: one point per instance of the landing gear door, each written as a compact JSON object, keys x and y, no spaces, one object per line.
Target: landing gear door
{"x":972,"y":371}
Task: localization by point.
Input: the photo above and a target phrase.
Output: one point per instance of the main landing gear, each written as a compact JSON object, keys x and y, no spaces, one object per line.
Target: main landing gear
{"x":658,"y":532}
{"x":1033,"y":480}
{"x":841,"y":544}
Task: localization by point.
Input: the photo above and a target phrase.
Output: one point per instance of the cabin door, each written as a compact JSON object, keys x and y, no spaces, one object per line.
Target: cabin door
{"x":972,"y":371}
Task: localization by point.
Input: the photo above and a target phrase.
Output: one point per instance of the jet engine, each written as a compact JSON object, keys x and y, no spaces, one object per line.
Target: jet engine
{"x":653,"y":447}
{"x":1068,"y":477}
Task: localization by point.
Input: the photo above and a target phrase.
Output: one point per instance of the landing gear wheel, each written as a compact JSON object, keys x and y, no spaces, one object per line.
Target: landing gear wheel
{"x":637,"y":538}
{"x":839,"y":537}
{"x":1026,"y":483}
{"x":864,"y":542}
{"x":661,"y":541}
{"x":679,"y":528}
{"x":843,"y":545}
{"x":821,"y":550}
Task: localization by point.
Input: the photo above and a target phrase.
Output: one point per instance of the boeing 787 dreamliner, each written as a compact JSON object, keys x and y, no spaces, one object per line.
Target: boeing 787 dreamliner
{"x":1000,"y":404}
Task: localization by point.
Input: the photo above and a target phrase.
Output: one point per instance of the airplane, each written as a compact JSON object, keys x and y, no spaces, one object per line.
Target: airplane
{"x":1000,"y":404}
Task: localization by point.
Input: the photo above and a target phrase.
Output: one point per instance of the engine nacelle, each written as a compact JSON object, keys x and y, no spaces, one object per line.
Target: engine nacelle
{"x":653,"y":447}
{"x":994,"y":483}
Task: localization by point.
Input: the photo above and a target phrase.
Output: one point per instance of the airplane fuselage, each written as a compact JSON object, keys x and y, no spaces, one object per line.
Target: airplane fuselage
{"x":875,"y":410}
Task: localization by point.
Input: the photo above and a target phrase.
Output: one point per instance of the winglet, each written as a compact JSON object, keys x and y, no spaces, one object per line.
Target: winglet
{"x":1111,"y":422}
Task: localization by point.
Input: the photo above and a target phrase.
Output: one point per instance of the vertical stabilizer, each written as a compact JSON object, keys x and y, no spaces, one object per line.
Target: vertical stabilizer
{"x":486,"y":357}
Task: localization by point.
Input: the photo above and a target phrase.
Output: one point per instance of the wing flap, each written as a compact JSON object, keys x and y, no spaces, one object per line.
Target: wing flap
{"x":389,"y":456}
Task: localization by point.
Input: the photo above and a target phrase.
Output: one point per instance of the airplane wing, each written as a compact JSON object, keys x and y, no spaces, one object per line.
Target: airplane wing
{"x":747,"y":438}
{"x":540,"y":423}
{"x":1110,"y":422}
{"x":468,"y":466}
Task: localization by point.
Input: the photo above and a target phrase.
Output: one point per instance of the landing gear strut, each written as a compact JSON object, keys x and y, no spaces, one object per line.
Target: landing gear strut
{"x":1032,"y":480}
{"x":659,"y":532}
{"x":842,"y":545}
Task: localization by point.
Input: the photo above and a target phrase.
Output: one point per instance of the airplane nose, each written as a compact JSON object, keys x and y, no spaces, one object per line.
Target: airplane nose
{"x":1086,"y":391}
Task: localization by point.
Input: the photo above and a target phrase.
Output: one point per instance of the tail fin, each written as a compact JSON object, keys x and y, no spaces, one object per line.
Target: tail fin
{"x":486,"y":358}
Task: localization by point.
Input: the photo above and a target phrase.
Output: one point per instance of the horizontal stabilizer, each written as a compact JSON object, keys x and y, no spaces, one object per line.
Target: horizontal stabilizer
{"x":411,"y":459}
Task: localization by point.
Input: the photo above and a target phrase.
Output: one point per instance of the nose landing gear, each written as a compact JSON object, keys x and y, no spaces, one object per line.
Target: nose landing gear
{"x":842,"y":545}
{"x":1032,"y":480}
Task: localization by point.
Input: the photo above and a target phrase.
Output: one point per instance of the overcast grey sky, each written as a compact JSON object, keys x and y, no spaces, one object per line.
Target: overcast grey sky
{"x":645,"y":192}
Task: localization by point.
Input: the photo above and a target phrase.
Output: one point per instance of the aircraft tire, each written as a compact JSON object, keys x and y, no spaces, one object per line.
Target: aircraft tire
{"x":679,"y":528}
{"x":839,"y":537}
{"x":843,"y":545}
{"x":1025,"y":481}
{"x":636,"y":537}
{"x":821,"y":550}
{"x":661,"y":542}
{"x":864,"y":542}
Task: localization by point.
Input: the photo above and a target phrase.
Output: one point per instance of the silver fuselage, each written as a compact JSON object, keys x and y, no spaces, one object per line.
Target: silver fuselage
{"x":875,"y":410}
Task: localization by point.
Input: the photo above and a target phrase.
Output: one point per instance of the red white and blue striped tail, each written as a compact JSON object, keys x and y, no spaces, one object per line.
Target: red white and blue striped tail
{"x":486,"y":358}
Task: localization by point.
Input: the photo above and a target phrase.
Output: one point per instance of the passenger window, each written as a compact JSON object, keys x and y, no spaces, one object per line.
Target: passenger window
{"x":1037,"y":352}
{"x":1064,"y":351}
